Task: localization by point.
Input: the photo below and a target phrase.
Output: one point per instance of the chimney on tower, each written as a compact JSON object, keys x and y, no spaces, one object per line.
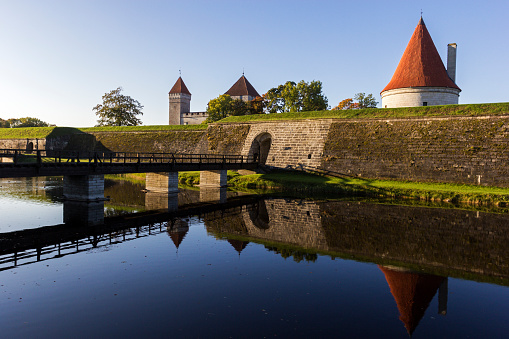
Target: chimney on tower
{"x":451,"y":61}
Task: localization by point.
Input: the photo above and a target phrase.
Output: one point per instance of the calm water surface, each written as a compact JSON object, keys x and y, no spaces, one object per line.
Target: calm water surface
{"x":272,"y":268}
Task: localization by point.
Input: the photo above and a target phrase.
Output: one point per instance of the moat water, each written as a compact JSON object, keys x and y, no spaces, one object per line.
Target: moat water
{"x":248,"y":267}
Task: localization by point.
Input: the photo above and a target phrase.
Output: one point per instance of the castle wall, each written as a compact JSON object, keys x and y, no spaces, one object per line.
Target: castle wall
{"x":294,"y":144}
{"x":191,"y":142}
{"x":415,"y":96}
{"x":193,"y":118}
{"x":467,"y":150}
{"x":23,"y":144}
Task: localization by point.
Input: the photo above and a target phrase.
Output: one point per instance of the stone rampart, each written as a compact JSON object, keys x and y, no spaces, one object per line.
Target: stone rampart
{"x":294,"y":143}
{"x":467,"y":150}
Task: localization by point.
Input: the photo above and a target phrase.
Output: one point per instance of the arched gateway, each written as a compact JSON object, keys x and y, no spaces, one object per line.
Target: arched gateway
{"x":260,"y":147}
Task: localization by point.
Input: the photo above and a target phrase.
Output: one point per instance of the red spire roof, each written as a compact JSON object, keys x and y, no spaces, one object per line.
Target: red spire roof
{"x":179,"y":87}
{"x":420,"y":65}
{"x":412,"y":293}
{"x":242,"y":87}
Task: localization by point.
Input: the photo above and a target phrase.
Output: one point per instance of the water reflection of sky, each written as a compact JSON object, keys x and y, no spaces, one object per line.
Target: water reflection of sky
{"x":18,"y":214}
{"x":148,"y":287}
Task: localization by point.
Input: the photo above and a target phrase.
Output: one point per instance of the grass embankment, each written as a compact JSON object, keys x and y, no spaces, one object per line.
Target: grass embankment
{"x":45,"y":132}
{"x":145,"y":128}
{"x":308,"y":184}
{"x":403,"y":112}
{"x":137,"y":178}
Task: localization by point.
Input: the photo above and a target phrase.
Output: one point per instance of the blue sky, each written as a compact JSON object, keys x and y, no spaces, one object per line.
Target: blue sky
{"x":59,"y":57}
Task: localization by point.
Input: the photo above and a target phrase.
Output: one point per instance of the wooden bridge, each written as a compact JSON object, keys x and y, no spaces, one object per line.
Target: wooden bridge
{"x":84,"y":171}
{"x":22,"y":163}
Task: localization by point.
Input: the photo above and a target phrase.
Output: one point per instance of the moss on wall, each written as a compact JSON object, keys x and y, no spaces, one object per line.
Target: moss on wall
{"x":456,"y":150}
{"x":227,"y":139}
{"x":160,"y":141}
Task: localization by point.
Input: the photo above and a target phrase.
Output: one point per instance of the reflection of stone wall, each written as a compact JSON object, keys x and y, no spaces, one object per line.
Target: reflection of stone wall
{"x":292,"y":222}
{"x":442,"y":239}
{"x":457,"y":239}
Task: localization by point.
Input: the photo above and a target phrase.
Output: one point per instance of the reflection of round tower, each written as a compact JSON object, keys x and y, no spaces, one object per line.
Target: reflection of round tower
{"x":180,"y":101}
{"x":421,"y":78}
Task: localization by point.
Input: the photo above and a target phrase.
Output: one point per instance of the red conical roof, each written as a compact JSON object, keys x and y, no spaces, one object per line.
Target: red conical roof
{"x":420,"y":65}
{"x":179,"y":87}
{"x":412,"y":293}
{"x":242,"y":87}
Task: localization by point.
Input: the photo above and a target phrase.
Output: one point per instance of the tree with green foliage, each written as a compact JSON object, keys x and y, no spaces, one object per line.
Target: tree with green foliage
{"x":219,"y":108}
{"x":366,"y":101}
{"x":4,"y":123}
{"x":118,"y":110}
{"x":24,"y":122}
{"x":224,"y":106}
{"x":292,"y":97}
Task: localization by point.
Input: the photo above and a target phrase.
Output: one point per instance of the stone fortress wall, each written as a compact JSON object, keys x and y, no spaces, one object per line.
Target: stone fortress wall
{"x":454,"y":149}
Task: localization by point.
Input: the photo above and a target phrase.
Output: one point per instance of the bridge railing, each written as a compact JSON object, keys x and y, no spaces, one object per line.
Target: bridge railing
{"x":49,"y":156}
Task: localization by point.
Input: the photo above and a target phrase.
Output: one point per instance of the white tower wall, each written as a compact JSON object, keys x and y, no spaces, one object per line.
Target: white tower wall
{"x":419,"y":96}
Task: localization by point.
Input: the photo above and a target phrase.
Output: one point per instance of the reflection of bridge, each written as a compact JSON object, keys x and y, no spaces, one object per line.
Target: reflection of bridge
{"x":27,"y":246}
{"x":84,"y":171}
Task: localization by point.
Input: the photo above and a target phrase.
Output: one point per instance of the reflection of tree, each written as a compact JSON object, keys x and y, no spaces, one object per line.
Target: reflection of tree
{"x":298,"y":255}
{"x":124,"y":193}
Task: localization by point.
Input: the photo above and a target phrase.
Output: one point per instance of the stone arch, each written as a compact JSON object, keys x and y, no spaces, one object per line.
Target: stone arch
{"x":259,"y":215}
{"x":260,"y":147}
{"x":30,"y":147}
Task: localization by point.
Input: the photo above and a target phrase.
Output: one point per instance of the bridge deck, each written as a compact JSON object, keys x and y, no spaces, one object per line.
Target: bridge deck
{"x":56,"y":163}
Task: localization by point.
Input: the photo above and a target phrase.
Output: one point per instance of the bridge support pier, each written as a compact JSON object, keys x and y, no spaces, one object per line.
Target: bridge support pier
{"x":210,"y":179}
{"x":213,"y":194}
{"x":163,"y":182}
{"x":160,"y":201}
{"x":84,"y":187}
{"x":84,"y":213}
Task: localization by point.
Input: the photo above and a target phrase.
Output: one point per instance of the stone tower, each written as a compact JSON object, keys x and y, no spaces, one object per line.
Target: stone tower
{"x":180,"y":102}
{"x":421,"y":78}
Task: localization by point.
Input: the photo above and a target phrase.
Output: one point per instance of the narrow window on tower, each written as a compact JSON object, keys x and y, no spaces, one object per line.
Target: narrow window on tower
{"x":425,"y":103}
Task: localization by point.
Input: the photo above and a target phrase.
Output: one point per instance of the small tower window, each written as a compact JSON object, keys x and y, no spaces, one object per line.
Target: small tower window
{"x":425,"y":103}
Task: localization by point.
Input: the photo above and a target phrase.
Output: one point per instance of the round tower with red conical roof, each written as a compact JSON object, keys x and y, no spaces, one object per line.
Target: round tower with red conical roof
{"x":421,"y":78}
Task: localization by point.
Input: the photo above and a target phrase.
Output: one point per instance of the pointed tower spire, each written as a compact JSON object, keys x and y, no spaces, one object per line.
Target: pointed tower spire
{"x":420,"y":65}
{"x":243,"y":90}
{"x":179,"y":87}
{"x":420,"y":78}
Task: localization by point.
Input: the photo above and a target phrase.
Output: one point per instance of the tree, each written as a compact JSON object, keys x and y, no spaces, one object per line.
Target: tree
{"x":23,"y":122}
{"x":311,"y":95}
{"x":4,"y":123}
{"x":366,"y":101}
{"x":292,"y":97}
{"x":224,"y":106}
{"x":346,"y":104}
{"x":118,"y":110}
{"x":219,"y":108}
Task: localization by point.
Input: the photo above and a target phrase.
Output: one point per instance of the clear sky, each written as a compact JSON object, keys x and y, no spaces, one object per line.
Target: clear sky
{"x":58,"y":57}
